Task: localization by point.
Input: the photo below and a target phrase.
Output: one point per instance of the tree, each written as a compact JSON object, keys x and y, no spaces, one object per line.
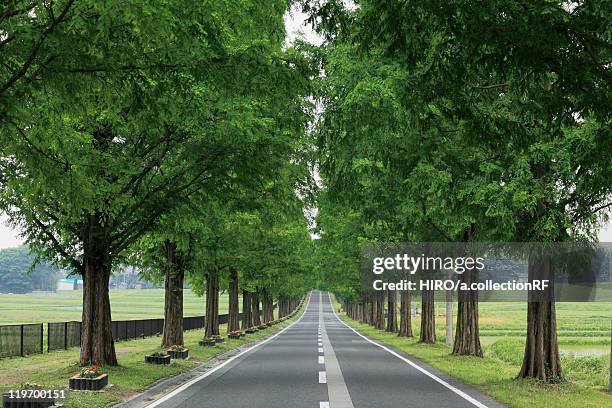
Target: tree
{"x":19,"y":272}
{"x":108,"y":162}
{"x":532,"y":90}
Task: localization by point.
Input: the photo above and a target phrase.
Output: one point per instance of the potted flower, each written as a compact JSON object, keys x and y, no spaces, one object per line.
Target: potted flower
{"x":218,"y":339}
{"x":158,"y":358}
{"x":22,"y":397}
{"x":90,"y":378}
{"x":207,"y":341}
{"x":236,"y":334}
{"x":178,"y":351}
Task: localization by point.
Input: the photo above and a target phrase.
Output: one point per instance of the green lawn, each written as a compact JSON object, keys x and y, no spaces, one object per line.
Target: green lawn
{"x":42,"y":307}
{"x":52,"y":370}
{"x":582,"y":327}
{"x":495,"y":374}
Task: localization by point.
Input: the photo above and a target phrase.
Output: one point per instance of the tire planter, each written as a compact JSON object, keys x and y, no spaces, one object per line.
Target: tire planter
{"x":243,"y":334}
{"x":161,"y":360}
{"x":179,"y":355}
{"x":262,"y":326}
{"x":207,"y":343}
{"x":251,"y":331}
{"x":234,"y":336}
{"x":8,"y":402}
{"x":88,"y":384}
{"x":219,"y":340}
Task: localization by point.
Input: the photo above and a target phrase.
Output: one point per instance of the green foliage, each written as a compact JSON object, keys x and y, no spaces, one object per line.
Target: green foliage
{"x":432,"y":126}
{"x":19,"y":272}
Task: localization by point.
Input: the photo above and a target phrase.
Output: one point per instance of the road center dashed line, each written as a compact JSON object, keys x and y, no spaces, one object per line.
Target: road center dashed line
{"x":322,"y":377}
{"x":337,"y":391}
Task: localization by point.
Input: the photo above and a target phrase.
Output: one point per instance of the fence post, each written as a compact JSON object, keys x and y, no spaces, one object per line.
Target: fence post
{"x":65,"y":335}
{"x":21,"y":341}
{"x":48,"y":337}
{"x":41,"y":337}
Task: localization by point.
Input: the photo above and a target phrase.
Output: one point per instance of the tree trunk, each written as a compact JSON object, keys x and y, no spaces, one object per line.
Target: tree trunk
{"x":247,"y":311}
{"x":374,"y":311}
{"x":392,"y":312}
{"x":256,"y":312}
{"x":380,"y":310}
{"x":405,"y":329}
{"x":281,"y":306}
{"x":541,"y":359}
{"x":173,"y":305}
{"x":449,"y":317}
{"x":428,"y":318}
{"x":233,"y":323}
{"x":467,"y":335}
{"x":212,"y":305}
{"x":97,"y":345}
{"x":364,"y":309}
{"x":268,"y":306}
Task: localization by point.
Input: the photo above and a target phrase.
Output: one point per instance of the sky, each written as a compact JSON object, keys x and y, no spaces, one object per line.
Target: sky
{"x":295,"y":26}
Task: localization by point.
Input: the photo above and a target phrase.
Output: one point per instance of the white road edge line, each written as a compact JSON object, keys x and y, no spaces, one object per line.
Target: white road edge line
{"x":323,"y":404}
{"x":320,"y":349}
{"x":322,"y":377}
{"x":427,"y":373}
{"x":188,"y":384}
{"x":321,"y":359}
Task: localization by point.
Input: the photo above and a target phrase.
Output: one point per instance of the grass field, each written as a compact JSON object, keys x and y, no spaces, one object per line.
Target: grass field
{"x":42,"y":307}
{"x":581,"y":326}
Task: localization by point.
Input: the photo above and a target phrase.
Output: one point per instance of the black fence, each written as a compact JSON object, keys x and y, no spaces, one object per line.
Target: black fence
{"x":63,"y":335}
{"x":194,"y":322}
{"x":21,"y":340}
{"x":24,"y":339}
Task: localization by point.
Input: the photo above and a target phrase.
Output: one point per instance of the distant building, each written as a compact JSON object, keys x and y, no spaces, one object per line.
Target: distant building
{"x":70,"y":284}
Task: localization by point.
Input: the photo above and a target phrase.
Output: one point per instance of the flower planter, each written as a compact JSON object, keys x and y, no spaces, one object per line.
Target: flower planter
{"x":269,"y":324}
{"x":251,"y":330}
{"x":242,"y":334}
{"x":262,"y":326}
{"x":179,"y":355}
{"x":18,"y":402}
{"x":207,"y":343}
{"x":162,"y":360}
{"x":234,"y":336}
{"x":88,"y":384}
{"x":219,"y":339}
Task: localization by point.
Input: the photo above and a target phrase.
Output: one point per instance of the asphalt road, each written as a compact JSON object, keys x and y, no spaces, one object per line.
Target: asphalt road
{"x":321,"y":362}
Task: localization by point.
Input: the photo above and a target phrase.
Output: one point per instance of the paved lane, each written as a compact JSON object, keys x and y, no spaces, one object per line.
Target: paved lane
{"x":319,"y":362}
{"x":278,"y":374}
{"x":376,"y":378}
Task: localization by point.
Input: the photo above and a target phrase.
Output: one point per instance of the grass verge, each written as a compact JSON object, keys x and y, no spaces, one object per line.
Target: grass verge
{"x":52,"y":370}
{"x":495,"y":374}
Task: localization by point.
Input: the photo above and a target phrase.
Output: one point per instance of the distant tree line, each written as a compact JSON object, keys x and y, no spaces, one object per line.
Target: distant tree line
{"x":18,"y":275}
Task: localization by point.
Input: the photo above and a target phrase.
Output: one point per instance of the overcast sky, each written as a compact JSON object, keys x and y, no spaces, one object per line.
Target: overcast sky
{"x":294,"y":22}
